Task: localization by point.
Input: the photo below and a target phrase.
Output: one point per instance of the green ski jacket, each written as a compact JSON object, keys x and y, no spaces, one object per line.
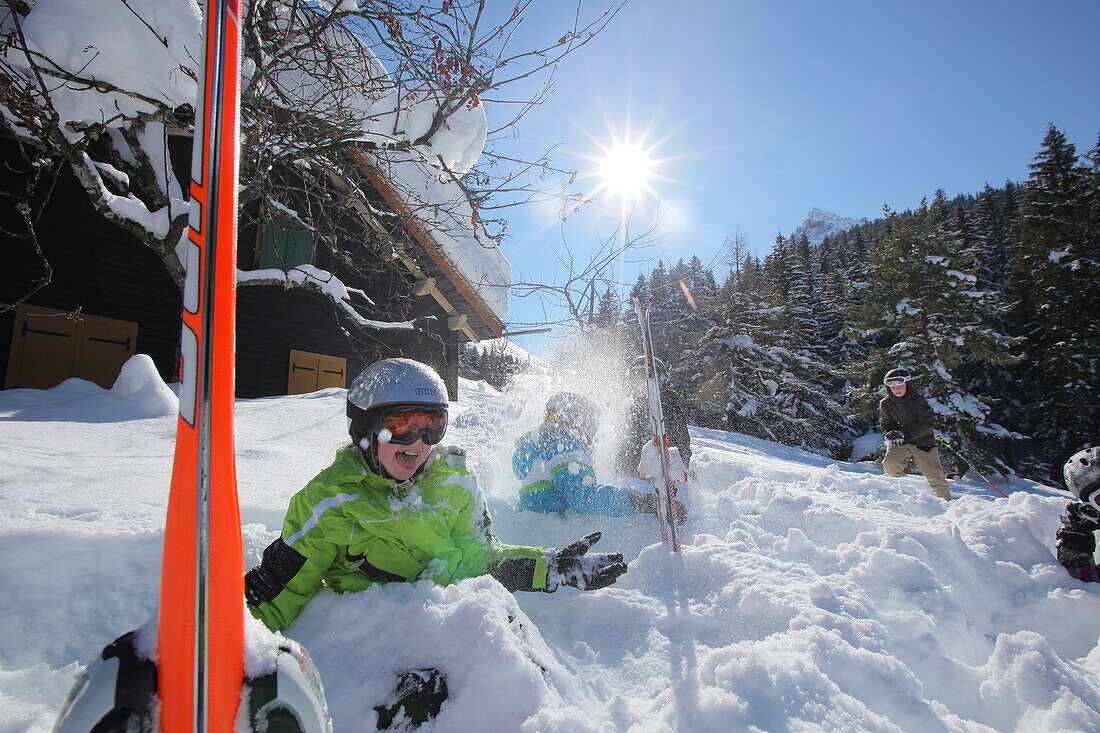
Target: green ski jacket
{"x":350,"y":528}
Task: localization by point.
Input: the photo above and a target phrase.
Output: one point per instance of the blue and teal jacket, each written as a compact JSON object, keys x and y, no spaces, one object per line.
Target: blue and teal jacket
{"x":555,"y":472}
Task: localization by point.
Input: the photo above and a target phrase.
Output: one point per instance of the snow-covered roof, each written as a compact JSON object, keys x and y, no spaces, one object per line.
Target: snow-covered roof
{"x":109,"y":43}
{"x":437,"y":203}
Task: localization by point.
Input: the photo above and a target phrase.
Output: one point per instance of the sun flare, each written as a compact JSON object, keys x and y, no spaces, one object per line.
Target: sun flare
{"x":626,"y":169}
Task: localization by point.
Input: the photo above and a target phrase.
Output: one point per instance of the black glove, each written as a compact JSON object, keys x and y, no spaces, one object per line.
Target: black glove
{"x":894,"y":438}
{"x":645,"y":503}
{"x":1079,"y":564}
{"x":571,"y":566}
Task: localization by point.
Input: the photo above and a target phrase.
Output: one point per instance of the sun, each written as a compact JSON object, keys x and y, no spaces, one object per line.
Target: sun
{"x":626,"y":169}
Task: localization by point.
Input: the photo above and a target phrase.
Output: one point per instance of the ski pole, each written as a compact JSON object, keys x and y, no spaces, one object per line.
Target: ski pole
{"x":963,"y":458}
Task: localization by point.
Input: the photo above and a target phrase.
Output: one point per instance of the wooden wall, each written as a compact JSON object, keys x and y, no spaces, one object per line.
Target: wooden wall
{"x":96,"y":266}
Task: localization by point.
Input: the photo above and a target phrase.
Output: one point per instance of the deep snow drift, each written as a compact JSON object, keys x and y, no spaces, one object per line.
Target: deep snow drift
{"x":810,"y":594}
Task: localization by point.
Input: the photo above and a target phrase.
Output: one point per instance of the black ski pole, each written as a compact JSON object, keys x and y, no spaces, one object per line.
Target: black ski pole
{"x":963,"y":458}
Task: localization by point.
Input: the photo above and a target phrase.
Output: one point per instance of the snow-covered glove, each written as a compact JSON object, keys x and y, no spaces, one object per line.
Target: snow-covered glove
{"x":646,"y":503}
{"x":572,"y":566}
{"x":894,"y":438}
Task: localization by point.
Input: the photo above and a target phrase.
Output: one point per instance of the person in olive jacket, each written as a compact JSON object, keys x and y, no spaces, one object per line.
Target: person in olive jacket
{"x":396,"y":506}
{"x":906,"y":421}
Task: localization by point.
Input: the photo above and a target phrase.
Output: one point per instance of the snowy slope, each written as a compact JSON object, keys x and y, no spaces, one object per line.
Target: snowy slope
{"x":811,"y":594}
{"x":819,"y":224}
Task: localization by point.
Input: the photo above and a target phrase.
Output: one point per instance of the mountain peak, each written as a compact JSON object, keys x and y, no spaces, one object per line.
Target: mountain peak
{"x":819,"y":224}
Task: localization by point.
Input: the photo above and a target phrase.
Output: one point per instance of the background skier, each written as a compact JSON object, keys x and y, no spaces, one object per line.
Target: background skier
{"x":397,"y":506}
{"x":554,"y":465}
{"x":1076,"y":542}
{"x":637,"y":432}
{"x":907,"y":423}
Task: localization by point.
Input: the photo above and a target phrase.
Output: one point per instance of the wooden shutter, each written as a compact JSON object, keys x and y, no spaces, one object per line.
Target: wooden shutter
{"x":102,"y":349}
{"x":310,"y":372}
{"x":303,"y":373}
{"x":49,"y":347}
{"x":332,"y":372}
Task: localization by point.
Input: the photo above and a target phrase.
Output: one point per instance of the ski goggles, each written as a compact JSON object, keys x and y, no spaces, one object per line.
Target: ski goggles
{"x":1090,"y":493}
{"x":555,"y":417}
{"x":895,"y":381}
{"x":405,"y":426}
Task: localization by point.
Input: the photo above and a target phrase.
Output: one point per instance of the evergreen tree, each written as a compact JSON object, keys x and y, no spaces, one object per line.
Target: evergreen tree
{"x":922,"y":312}
{"x":1053,"y":286}
{"x":758,"y":374}
{"x":641,"y":288}
{"x":609,"y":309}
{"x":800,"y":308}
{"x":991,"y":239}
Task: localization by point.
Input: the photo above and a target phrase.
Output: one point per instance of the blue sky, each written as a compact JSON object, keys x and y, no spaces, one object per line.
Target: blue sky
{"x":764,"y":110}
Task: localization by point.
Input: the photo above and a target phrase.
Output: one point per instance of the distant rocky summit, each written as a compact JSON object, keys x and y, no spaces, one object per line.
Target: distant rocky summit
{"x":820,"y":224}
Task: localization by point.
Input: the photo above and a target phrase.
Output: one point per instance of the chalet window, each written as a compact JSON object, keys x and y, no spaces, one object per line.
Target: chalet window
{"x":310,"y":372}
{"x":283,"y":244}
{"x":49,"y":347}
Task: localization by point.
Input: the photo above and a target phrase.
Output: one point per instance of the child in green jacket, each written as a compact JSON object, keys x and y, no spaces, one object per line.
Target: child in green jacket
{"x":397,"y":506}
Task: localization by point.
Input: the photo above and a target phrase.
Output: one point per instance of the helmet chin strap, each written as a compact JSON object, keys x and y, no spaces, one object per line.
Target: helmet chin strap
{"x":370,"y":455}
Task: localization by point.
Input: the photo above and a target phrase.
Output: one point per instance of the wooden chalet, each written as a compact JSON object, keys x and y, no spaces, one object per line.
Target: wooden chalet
{"x":110,"y":296}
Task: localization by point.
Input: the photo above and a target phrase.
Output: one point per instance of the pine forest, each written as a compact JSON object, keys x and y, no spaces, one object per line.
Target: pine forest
{"x":990,"y":300}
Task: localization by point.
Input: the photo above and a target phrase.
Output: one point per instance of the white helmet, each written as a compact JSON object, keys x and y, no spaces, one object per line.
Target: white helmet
{"x":391,"y":383}
{"x":575,"y":411}
{"x":1082,"y":475}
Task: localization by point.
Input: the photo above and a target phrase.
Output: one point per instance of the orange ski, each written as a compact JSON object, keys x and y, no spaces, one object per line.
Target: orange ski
{"x":200,"y":647}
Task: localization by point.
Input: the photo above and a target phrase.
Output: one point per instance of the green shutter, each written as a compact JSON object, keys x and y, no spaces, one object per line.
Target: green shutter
{"x":284,"y":244}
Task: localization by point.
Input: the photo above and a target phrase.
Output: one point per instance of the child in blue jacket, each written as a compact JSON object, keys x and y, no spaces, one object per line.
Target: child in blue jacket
{"x":554,"y":466}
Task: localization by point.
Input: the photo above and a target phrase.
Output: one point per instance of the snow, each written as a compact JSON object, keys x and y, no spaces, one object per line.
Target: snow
{"x":651,"y":461}
{"x":443,"y":207}
{"x":962,"y":276}
{"x":326,"y":283}
{"x":811,"y":594}
{"x":109,"y":42}
{"x":865,"y":446}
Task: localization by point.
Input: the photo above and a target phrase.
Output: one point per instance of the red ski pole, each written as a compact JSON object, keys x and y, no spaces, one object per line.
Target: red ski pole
{"x":963,"y":458}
